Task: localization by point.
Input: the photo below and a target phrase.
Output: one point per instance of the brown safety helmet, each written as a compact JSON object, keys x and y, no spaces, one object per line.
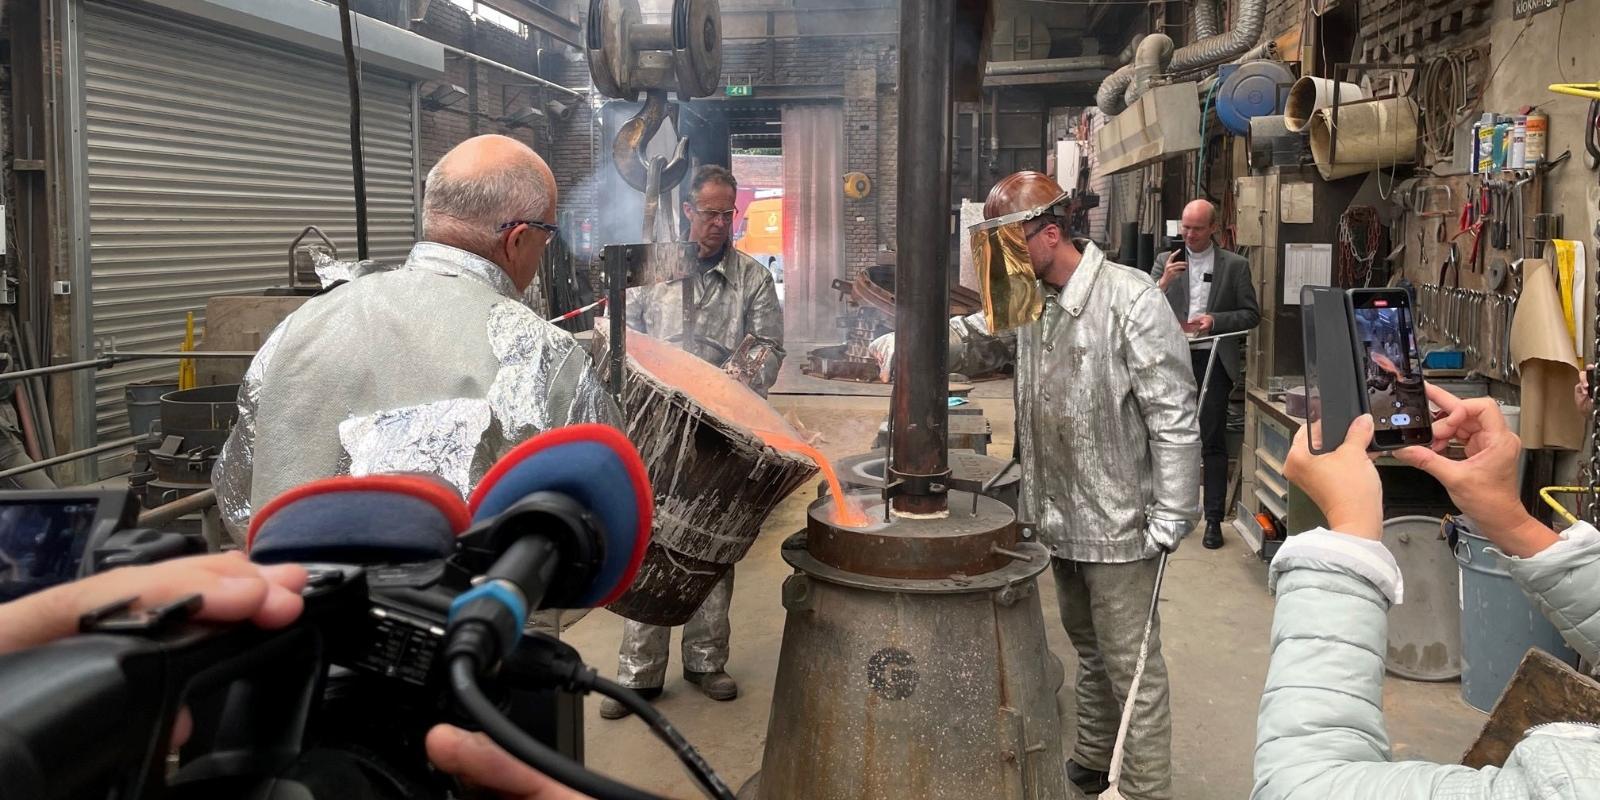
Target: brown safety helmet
{"x":1021,"y":191}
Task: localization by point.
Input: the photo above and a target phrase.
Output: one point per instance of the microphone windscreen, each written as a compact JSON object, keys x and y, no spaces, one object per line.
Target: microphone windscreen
{"x":376,"y":519}
{"x":598,"y":467}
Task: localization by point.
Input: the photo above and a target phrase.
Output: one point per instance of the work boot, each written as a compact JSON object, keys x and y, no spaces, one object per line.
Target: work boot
{"x":717,"y":685}
{"x":1213,"y":540}
{"x":611,"y":709}
{"x":1089,"y":781}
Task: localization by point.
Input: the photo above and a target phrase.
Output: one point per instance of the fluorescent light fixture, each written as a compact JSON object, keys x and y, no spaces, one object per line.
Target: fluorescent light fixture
{"x":446,"y":94}
{"x":524,"y":118}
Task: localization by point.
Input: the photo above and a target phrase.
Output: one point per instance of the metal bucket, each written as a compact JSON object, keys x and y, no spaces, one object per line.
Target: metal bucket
{"x":715,"y":484}
{"x":1425,"y":630}
{"x":1499,"y":624}
{"x":144,"y":404}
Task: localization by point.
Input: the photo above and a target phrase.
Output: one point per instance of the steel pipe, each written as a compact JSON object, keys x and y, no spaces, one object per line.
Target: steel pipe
{"x":112,"y":359}
{"x":70,"y":366}
{"x":118,"y":355}
{"x":1038,"y":66}
{"x":510,"y":70}
{"x":919,"y":409}
{"x":73,"y":456}
{"x":170,"y":512}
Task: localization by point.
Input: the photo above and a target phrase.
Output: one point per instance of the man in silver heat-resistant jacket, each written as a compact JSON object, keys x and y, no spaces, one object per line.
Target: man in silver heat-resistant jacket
{"x":731,"y":296}
{"x":1111,"y":458}
{"x":436,"y":367}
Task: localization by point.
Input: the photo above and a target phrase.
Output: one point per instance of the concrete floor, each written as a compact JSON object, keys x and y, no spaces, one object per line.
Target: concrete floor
{"x":1216,"y":617}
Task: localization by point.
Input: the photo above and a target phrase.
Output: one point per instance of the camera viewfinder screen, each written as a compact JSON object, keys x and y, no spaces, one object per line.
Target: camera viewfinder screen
{"x":1393,"y":371}
{"x":41,"y":543}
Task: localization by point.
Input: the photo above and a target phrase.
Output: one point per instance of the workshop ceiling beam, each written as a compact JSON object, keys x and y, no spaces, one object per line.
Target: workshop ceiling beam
{"x":537,"y":16}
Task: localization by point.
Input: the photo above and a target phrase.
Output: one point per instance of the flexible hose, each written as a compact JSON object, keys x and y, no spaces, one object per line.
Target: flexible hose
{"x":1441,"y":98}
{"x":691,"y":758}
{"x":464,"y":683}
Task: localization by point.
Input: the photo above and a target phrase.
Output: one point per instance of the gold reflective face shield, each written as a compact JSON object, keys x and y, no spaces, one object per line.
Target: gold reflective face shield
{"x":1010,"y":289}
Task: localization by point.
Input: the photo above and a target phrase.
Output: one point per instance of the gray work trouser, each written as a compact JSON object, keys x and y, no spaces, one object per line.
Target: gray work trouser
{"x":12,"y":455}
{"x":1103,"y":607}
{"x":642,"y":662}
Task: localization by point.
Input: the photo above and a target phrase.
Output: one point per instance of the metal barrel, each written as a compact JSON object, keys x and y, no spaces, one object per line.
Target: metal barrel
{"x":144,"y":404}
{"x":202,"y":416}
{"x":1499,"y":624}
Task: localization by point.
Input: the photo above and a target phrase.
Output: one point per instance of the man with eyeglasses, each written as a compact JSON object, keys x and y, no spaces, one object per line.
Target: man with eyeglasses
{"x":732,"y":296}
{"x":435,"y":367}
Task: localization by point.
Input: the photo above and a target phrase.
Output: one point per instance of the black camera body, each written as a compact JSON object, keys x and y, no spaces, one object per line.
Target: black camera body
{"x":335,"y":705}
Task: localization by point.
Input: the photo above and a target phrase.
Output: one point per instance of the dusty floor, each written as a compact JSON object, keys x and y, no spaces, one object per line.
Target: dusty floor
{"x":1216,"y":615}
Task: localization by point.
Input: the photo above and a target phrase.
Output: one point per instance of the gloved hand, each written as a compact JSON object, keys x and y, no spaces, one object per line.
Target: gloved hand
{"x":1166,"y":534}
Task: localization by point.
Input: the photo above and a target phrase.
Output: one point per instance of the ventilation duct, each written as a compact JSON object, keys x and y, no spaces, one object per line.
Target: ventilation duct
{"x":1223,"y":46}
{"x":1205,"y":19}
{"x":1117,"y":90}
{"x":1151,"y":60}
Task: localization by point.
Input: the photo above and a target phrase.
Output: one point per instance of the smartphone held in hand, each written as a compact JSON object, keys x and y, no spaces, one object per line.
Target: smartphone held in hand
{"x":1361,"y":358}
{"x":1391,"y":368}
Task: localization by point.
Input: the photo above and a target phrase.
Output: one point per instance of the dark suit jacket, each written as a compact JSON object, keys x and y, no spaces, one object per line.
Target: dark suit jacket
{"x":1232,"y":304}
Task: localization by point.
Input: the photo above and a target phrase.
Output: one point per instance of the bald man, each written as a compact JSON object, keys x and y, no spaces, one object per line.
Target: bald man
{"x":1210,"y":291}
{"x":436,"y":367}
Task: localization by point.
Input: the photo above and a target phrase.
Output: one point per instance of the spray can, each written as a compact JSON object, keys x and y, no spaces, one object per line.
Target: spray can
{"x":1538,"y":130}
{"x":1519,"y":144}
{"x":1483,"y":134}
{"x":1502,"y":143}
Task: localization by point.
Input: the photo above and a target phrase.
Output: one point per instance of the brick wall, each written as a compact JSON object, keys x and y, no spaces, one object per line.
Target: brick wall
{"x":494,"y":92}
{"x":861,"y":73}
{"x":758,"y":172}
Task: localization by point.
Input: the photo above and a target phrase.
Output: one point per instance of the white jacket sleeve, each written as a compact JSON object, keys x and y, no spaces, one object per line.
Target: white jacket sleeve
{"x":1320,"y":731}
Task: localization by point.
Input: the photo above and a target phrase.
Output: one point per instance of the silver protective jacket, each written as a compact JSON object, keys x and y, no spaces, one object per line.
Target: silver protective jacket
{"x":1320,"y":733}
{"x":436,"y":367}
{"x":734,"y":298}
{"x":1105,"y":413}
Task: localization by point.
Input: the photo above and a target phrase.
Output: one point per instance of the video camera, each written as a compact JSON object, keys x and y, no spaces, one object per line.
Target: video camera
{"x":413,"y":599}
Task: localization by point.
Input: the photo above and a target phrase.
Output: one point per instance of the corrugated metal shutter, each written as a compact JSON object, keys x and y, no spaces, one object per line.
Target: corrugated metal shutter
{"x":207,"y":154}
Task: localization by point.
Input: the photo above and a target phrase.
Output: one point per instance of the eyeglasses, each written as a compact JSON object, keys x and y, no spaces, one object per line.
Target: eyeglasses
{"x":543,"y":226}
{"x":711,"y":215}
{"x":1039,"y":230}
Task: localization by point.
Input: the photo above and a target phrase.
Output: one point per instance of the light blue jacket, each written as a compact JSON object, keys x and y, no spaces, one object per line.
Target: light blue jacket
{"x":1320,"y":733}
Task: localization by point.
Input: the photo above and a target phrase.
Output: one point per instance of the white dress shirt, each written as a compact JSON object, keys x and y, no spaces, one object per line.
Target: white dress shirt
{"x":1200,"y":268}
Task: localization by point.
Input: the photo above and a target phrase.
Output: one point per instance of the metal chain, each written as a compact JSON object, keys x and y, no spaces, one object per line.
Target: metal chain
{"x":1594,"y":423}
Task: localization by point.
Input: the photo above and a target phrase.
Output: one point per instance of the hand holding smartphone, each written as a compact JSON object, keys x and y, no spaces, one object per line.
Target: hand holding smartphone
{"x":1362,"y":358}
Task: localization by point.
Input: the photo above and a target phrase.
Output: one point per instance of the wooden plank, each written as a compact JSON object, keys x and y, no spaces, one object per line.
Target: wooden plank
{"x":1542,"y":691}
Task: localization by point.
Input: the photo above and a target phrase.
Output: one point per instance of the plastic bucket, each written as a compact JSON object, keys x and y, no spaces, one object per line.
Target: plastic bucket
{"x":1499,"y":624}
{"x":1311,"y":93}
{"x":1373,"y":134}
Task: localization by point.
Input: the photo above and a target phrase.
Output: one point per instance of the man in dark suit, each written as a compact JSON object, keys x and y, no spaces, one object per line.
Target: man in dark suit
{"x":1210,"y":291}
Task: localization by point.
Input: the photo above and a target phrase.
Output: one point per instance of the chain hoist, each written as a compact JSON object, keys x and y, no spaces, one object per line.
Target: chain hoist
{"x":1594,"y":422}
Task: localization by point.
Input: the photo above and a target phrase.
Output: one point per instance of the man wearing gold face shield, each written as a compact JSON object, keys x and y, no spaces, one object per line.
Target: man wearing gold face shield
{"x":1110,"y":450}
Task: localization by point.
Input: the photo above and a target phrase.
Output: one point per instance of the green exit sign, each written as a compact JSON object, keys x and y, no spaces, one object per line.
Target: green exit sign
{"x":737,"y":91}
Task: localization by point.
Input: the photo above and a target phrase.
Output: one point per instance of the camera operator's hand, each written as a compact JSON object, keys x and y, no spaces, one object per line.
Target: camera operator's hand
{"x":477,"y":761}
{"x":231,"y":588}
{"x":1343,"y":483}
{"x":1484,"y":485}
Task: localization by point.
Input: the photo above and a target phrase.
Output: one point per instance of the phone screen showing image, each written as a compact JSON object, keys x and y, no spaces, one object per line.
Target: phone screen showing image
{"x":1391,"y":368}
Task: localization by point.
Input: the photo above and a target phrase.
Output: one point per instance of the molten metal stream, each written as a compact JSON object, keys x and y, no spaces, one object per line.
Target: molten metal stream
{"x":846,"y":511}
{"x":734,"y":402}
